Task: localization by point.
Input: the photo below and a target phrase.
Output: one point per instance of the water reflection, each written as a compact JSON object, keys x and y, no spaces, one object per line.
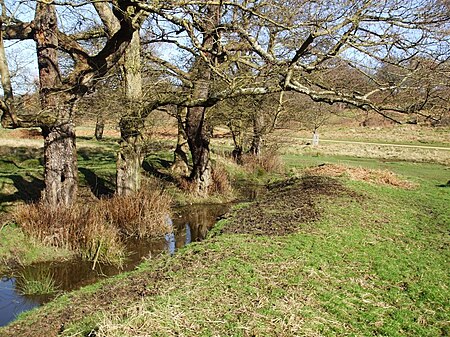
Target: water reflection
{"x":11,"y":302}
{"x":188,"y":239}
{"x":190,"y":223}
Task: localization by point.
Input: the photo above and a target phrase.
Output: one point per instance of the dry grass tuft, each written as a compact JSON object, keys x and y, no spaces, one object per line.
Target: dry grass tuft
{"x":186,"y":185}
{"x":379,"y":177}
{"x":81,"y":228}
{"x":221,"y":180}
{"x":97,"y":230}
{"x":269,"y":161}
{"x":141,"y":215}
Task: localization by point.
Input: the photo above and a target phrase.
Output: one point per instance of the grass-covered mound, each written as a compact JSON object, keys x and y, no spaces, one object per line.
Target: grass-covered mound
{"x":371,"y":265}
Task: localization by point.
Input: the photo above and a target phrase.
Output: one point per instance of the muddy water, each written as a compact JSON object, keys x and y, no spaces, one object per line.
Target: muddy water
{"x":191,"y":223}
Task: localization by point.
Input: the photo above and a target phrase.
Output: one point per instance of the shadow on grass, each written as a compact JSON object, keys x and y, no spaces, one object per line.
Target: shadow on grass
{"x":97,"y":185}
{"x":21,"y":153}
{"x":96,"y":155}
{"x":153,"y":167}
{"x":27,"y":190}
{"x":444,"y":185}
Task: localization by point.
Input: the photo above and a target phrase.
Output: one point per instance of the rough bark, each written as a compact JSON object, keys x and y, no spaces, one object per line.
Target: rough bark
{"x":258,"y":130}
{"x":198,"y":140}
{"x":60,"y":164}
{"x":99,"y":127}
{"x":236,"y":133}
{"x":60,"y":160}
{"x":196,"y":127}
{"x":130,"y":155}
{"x":197,"y":132}
{"x":180,"y":163}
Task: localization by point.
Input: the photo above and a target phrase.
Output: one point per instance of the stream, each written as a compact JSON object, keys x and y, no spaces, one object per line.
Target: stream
{"x":191,"y":223}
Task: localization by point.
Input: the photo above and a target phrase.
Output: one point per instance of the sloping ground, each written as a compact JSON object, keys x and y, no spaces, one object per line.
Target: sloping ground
{"x":376,"y":265}
{"x":379,"y":177}
{"x":286,"y":205}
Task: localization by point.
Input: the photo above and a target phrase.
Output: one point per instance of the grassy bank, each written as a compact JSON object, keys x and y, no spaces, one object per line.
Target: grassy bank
{"x":17,"y":248}
{"x":373,"y":260}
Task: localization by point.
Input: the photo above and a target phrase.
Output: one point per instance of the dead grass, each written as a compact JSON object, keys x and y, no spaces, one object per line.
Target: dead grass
{"x":220,"y":184}
{"x":269,"y":162}
{"x":79,"y":228}
{"x":140,"y":215}
{"x":378,"y":177}
{"x":221,"y":180}
{"x":96,"y":230}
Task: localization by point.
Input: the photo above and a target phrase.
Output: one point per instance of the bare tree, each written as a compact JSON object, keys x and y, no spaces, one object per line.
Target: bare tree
{"x":59,"y":92}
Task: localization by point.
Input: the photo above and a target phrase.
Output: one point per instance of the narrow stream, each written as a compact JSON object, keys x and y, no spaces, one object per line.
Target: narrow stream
{"x":191,"y":223}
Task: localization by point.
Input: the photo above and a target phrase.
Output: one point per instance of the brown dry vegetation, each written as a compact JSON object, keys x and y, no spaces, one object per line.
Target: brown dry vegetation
{"x":96,"y":229}
{"x":268,"y":161}
{"x":379,"y":177}
{"x":221,"y":184}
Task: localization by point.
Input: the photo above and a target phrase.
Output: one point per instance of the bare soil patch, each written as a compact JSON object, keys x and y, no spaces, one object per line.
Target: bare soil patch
{"x":378,"y":177}
{"x":286,"y":206}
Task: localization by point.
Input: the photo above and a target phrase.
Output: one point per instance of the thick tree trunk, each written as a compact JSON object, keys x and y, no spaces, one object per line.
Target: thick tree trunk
{"x":198,"y":140}
{"x":60,"y":165}
{"x":180,"y":163}
{"x":60,"y":159}
{"x":99,"y":127}
{"x":236,"y":133}
{"x":258,"y":126}
{"x":196,"y":127}
{"x":198,"y":137}
{"x":130,"y":155}
{"x":129,"y":160}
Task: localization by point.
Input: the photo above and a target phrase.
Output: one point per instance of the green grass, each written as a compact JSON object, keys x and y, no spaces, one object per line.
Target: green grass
{"x":17,"y":248}
{"x":42,"y":283}
{"x":425,"y":172}
{"x":373,"y":266}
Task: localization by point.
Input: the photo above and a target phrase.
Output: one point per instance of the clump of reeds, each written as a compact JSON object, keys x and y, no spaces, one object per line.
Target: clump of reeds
{"x":220,"y":180}
{"x":141,"y":215}
{"x":267,"y":162}
{"x":40,"y":283}
{"x":97,"y":230}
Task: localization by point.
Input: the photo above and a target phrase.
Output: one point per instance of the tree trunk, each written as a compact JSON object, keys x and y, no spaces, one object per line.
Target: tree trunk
{"x":196,"y":127}
{"x":198,"y":140}
{"x":130,"y":155}
{"x":60,"y":165}
{"x":180,"y":163}
{"x":258,"y":126}
{"x":99,"y":127}
{"x":8,"y":118}
{"x":315,"y":140}
{"x":236,"y":133}
{"x":60,"y":159}
{"x":129,"y":158}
